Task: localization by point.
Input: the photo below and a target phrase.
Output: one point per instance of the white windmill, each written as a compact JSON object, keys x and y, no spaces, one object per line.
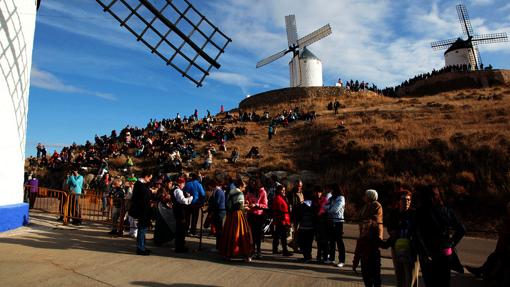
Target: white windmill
{"x":305,"y":68}
{"x":465,"y":52}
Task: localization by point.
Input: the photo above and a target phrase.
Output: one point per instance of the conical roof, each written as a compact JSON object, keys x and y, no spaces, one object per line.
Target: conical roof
{"x":307,"y":55}
{"x":459,"y":44}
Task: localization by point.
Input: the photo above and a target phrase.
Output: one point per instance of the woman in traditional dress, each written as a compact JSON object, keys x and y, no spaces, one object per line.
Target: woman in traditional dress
{"x":236,"y":240}
{"x":165,"y":219}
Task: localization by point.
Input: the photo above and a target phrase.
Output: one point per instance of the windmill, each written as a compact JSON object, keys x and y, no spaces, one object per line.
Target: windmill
{"x":465,"y":52}
{"x":305,"y":68}
{"x":175,"y":31}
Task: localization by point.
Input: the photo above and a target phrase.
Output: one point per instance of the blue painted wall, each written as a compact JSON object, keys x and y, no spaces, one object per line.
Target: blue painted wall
{"x":13,"y":216}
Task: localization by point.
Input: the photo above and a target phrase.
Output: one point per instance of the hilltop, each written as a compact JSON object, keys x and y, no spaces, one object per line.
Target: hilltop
{"x":458,"y":139}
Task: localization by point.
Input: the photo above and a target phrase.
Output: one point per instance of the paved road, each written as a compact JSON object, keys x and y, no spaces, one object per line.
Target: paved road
{"x":48,"y":254}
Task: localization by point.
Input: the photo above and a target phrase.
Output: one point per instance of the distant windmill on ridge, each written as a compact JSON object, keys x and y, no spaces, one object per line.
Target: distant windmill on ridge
{"x":465,"y":52}
{"x":305,"y":68}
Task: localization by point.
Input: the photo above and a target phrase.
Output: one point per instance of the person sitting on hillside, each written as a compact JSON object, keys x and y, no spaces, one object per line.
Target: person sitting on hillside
{"x":336,"y":106}
{"x":493,"y":269}
{"x":208,"y":159}
{"x":234,"y":156}
{"x":253,"y":153}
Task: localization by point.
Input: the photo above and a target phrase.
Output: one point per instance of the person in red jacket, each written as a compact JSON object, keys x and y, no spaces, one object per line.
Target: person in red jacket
{"x":281,"y":221}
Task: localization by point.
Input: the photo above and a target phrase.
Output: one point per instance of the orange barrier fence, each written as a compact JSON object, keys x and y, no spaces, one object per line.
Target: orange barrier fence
{"x":89,"y":206}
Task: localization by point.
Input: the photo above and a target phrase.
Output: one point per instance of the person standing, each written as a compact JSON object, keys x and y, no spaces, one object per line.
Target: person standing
{"x":434,"y":223}
{"x":281,"y":221}
{"x":335,"y":213}
{"x":256,"y":199}
{"x":117,"y":194}
{"x":180,"y":201}
{"x":295,"y":198}
{"x":196,"y":190}
{"x":493,"y":269}
{"x":306,"y":216}
{"x":401,"y":228}
{"x":33,"y":184}
{"x":320,"y":201}
{"x":165,"y":219}
{"x":370,"y":238}
{"x":141,"y":210}
{"x":75,"y":182}
{"x":237,"y":239}
{"x":217,"y":208}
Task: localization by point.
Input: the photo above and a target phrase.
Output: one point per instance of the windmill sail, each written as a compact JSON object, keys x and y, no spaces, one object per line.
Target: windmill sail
{"x":272,"y":58}
{"x":191,"y":44}
{"x":315,"y":36}
{"x":290,"y":24}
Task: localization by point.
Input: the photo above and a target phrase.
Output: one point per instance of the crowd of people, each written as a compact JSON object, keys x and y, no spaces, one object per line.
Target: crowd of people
{"x":159,"y":140}
{"x":423,"y":231}
{"x":358,"y":86}
{"x":394,"y":91}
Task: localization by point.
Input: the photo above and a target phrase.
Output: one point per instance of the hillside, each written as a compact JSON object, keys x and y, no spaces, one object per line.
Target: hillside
{"x":459,"y":140}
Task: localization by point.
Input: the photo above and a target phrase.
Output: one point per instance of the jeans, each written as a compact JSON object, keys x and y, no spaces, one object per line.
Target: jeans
{"x":371,"y":269}
{"x":192,"y":213}
{"x":257,"y":228}
{"x":140,"y":236}
{"x":115,"y":219}
{"x":336,"y":233}
{"x":305,"y":240}
{"x":280,"y":234}
{"x":219,"y":221}
{"x":406,"y":266}
{"x":437,"y":271}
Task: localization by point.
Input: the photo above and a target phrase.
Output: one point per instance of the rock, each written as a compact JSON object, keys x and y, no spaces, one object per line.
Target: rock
{"x":279,"y":173}
{"x":252,"y":169}
{"x":308,"y":176}
{"x":220,"y":176}
{"x":88,"y":179}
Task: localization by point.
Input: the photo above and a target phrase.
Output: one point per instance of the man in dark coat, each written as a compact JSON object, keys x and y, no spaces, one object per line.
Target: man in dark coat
{"x":141,"y":210}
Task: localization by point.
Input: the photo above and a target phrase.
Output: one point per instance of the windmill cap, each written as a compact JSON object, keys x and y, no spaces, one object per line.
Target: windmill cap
{"x":307,"y":55}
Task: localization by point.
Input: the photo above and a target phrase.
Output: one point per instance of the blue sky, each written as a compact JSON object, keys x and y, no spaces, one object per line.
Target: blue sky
{"x":90,"y":76}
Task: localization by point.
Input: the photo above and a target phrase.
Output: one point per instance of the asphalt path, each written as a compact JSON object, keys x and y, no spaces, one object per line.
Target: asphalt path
{"x":45,"y":253}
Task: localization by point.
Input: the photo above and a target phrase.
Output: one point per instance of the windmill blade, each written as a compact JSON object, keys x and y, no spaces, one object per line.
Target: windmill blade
{"x":444,"y":44}
{"x":490,"y":38}
{"x":290,"y":24}
{"x":465,"y":23}
{"x":314,"y":36}
{"x":478,"y":57}
{"x":272,"y":58}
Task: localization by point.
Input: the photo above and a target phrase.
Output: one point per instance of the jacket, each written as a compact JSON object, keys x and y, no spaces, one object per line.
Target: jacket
{"x":259,"y":199}
{"x":141,"y":203}
{"x":335,"y":208}
{"x":280,"y":209}
{"x":195,"y":189}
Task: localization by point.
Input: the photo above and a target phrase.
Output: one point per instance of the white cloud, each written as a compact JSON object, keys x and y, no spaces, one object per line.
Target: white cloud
{"x":482,"y":2}
{"x":76,"y":19}
{"x":231,"y":78}
{"x":48,"y":81}
{"x":384,"y":42}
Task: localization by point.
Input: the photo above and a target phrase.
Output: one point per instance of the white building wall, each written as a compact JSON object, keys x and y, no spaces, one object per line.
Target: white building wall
{"x":294,"y":72}
{"x":311,"y":73}
{"x":17,"y":27}
{"x":459,"y":57}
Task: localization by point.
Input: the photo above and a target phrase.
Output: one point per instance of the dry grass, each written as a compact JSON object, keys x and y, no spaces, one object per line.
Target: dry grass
{"x":460,"y":140}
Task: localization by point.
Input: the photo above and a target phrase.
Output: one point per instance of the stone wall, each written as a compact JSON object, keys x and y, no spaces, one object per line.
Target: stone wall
{"x":288,"y":95}
{"x":456,"y":81}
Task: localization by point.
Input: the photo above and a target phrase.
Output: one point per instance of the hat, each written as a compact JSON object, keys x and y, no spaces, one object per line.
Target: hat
{"x":371,"y":194}
{"x":181,"y":180}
